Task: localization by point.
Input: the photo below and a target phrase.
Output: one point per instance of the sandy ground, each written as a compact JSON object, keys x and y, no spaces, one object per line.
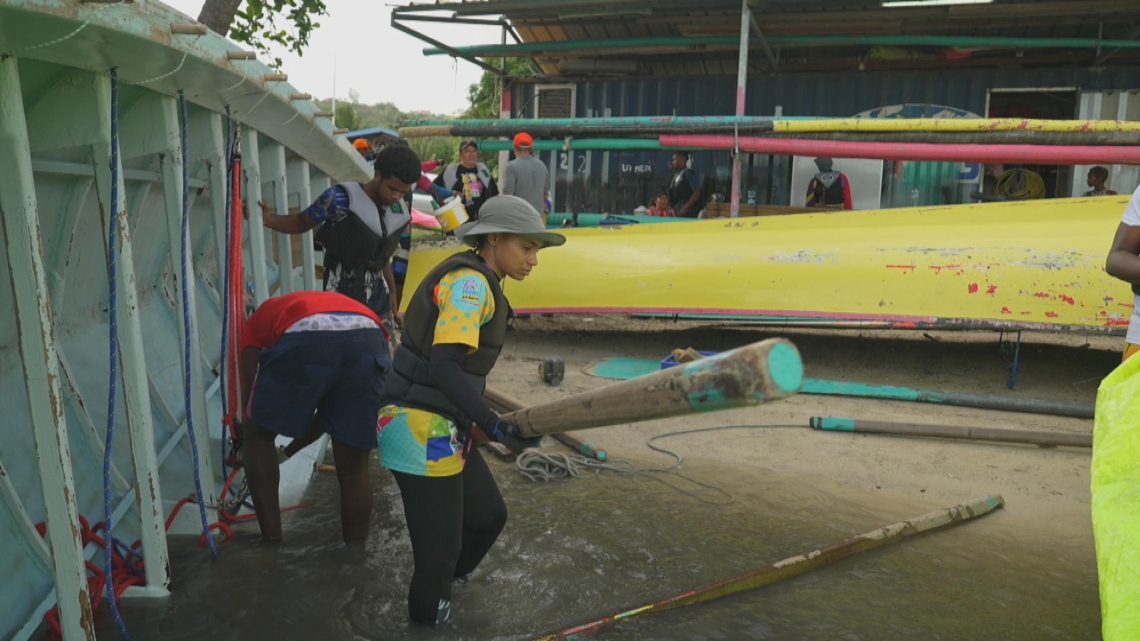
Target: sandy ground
{"x":1046,"y":489}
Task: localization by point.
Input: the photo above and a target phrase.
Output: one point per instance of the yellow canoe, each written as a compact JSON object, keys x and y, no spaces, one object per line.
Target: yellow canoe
{"x":1019,"y":265}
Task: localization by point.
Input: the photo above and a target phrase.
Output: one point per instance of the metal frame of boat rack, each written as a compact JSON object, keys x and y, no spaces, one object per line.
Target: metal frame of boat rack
{"x":47,"y":372}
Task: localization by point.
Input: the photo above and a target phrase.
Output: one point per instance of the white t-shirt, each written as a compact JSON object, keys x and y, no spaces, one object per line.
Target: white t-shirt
{"x":1132,"y":218}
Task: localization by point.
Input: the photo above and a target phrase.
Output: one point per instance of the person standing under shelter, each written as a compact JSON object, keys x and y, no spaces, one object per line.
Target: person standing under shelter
{"x":526,"y":176}
{"x":1097,"y":177}
{"x":312,"y":360}
{"x":829,"y":188}
{"x":1124,"y":263}
{"x":660,"y":206}
{"x":685,"y":188}
{"x":469,"y":179}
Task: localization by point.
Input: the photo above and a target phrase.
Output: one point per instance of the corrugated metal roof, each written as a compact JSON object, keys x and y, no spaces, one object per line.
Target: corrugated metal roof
{"x":540,"y":21}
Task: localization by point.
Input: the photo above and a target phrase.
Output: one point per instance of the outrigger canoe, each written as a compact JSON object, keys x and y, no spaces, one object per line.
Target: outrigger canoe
{"x":1014,"y":265}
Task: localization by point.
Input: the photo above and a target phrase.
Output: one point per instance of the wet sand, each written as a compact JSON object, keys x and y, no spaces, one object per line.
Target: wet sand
{"x":575,"y":550}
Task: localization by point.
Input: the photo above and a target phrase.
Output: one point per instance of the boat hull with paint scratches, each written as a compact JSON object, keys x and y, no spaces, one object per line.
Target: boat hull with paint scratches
{"x":55,"y":197}
{"x":1018,"y":265}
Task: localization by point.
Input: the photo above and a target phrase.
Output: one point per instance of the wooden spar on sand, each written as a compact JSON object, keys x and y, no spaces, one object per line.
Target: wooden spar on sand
{"x":796,"y":565}
{"x":1029,"y":437}
{"x":750,"y":375}
{"x":503,"y":402}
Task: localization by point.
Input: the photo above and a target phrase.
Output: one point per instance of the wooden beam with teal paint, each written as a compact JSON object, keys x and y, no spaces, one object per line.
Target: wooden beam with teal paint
{"x":274,"y":172}
{"x":251,"y":168}
{"x":172,"y":185}
{"x":299,"y":184}
{"x":132,"y":355}
{"x":208,"y":158}
{"x":24,"y":248}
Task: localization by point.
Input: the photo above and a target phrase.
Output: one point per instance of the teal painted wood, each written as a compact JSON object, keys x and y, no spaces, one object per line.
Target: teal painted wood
{"x":300,"y":196}
{"x":274,"y":174}
{"x":251,"y":167}
{"x":24,"y":251}
{"x":62,"y":89}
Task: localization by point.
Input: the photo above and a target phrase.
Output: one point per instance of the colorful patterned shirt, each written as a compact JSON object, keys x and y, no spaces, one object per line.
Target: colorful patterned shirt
{"x":423,"y":443}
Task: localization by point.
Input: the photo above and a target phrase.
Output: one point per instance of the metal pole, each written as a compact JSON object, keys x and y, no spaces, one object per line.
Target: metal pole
{"x":24,"y":248}
{"x":504,"y":107}
{"x":741,"y":85}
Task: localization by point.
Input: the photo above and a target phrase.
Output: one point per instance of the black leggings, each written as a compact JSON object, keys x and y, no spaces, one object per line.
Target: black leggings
{"x":453,"y":521}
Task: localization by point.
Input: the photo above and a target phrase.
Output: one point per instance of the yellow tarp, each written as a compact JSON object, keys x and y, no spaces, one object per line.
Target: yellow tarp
{"x":1037,"y":264}
{"x":1116,"y":501}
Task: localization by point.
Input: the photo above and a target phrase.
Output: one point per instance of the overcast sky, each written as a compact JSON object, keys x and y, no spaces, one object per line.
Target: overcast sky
{"x":379,"y":62}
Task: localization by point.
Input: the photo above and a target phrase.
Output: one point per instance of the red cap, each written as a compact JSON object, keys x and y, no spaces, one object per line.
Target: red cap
{"x":361,"y":143}
{"x":524,"y":140}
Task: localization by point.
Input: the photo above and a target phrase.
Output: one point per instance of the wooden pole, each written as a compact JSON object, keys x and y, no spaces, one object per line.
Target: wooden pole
{"x":503,"y":402}
{"x":753,"y":374}
{"x":996,"y":434}
{"x":796,"y":565}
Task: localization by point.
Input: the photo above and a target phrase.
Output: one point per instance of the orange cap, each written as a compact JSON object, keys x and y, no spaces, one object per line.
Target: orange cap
{"x":524,"y":140}
{"x":361,"y":144}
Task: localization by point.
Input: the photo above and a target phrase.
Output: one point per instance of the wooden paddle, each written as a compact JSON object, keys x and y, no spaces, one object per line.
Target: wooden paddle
{"x":750,"y":375}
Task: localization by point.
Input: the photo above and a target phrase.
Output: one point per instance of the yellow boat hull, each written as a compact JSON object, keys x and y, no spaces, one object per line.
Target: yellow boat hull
{"x":1023,"y":265}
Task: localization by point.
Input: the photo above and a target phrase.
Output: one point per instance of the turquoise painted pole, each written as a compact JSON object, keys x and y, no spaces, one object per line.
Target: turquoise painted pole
{"x":498,"y":50}
{"x":1045,"y":438}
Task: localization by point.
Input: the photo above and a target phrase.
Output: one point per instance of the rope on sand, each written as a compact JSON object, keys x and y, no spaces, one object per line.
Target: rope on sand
{"x":537,"y":465}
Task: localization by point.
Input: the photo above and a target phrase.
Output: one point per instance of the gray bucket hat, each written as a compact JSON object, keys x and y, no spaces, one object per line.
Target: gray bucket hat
{"x":508,"y":215}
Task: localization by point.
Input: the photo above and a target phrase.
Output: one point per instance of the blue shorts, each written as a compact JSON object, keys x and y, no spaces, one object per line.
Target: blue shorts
{"x":337,"y":375}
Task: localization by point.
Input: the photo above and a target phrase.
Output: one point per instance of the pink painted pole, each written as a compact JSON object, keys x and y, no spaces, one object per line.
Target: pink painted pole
{"x":1035,"y":154}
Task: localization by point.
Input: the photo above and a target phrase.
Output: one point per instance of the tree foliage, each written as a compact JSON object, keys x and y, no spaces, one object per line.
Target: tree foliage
{"x":287,"y":23}
{"x":347,"y":117}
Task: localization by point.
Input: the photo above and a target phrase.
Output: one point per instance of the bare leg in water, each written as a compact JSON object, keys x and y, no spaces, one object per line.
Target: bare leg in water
{"x":355,"y":491}
{"x":264,"y":476}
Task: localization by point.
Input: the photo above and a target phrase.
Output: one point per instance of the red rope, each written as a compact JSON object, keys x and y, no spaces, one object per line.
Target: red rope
{"x":127,"y":572}
{"x":235,"y":290}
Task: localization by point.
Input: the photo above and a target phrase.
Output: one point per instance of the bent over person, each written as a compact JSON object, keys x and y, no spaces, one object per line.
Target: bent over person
{"x":312,"y":360}
{"x":455,"y":327}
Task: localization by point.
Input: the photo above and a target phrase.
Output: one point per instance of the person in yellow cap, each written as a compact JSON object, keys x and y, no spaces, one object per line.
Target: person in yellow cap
{"x":455,"y":328}
{"x":526,"y":176}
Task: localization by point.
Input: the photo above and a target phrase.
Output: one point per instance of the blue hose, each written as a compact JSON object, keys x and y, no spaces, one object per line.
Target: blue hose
{"x":186,"y":323}
{"x":108,"y":540}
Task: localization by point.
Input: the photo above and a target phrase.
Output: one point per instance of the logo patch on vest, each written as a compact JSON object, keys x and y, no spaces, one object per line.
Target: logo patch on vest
{"x":467,"y":294}
{"x":396,"y":208}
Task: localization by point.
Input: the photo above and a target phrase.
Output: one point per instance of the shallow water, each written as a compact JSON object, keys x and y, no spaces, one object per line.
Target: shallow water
{"x":575,"y":550}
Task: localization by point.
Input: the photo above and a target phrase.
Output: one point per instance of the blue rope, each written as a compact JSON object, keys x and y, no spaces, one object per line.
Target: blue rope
{"x":186,"y":323}
{"x":108,"y":540}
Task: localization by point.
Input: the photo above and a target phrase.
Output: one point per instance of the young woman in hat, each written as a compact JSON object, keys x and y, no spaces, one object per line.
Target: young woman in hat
{"x":455,"y":327}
